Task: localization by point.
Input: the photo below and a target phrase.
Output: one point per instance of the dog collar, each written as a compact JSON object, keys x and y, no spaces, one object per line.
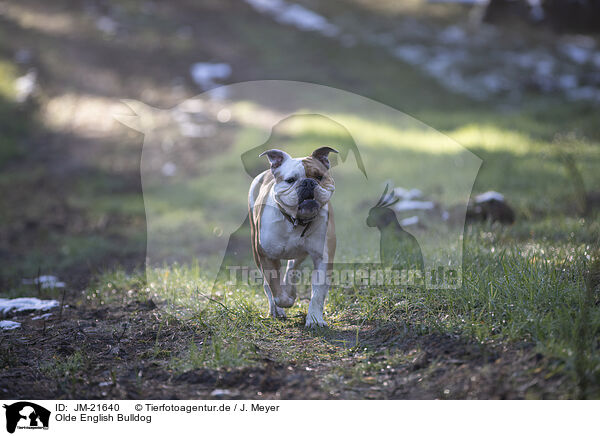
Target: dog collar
{"x":295,"y":221}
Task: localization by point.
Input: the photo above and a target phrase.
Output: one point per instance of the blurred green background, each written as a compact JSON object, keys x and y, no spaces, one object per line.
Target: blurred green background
{"x":70,"y":173}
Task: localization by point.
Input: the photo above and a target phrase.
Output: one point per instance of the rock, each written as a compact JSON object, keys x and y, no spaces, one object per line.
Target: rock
{"x":592,"y":201}
{"x":490,"y":206}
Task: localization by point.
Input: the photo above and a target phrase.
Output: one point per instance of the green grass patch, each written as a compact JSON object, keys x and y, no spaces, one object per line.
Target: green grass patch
{"x":510,"y":294}
{"x":15,"y":120}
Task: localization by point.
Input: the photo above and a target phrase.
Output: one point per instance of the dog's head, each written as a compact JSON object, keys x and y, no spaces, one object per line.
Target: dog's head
{"x":302,"y":185}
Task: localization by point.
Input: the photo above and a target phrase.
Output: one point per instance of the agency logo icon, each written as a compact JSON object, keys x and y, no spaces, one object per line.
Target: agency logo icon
{"x":26,"y":415}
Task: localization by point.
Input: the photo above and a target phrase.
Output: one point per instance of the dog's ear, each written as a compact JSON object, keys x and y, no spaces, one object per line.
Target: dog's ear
{"x":276,"y":157}
{"x":321,"y":155}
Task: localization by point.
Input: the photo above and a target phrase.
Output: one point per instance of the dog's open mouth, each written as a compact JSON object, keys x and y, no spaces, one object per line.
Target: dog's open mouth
{"x":308,"y":209}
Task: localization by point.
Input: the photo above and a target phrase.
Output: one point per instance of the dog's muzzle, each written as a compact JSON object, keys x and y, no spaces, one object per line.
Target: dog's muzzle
{"x":307,"y":205}
{"x":306,"y":189}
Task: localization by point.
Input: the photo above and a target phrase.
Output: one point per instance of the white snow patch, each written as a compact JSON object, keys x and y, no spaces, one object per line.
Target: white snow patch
{"x":45,"y":282}
{"x":577,"y":54}
{"x":455,"y":81}
{"x":22,"y":304}
{"x":523,"y":60}
{"x":544,"y":67}
{"x":494,"y":82}
{"x":488,"y":196}
{"x":295,"y":15}
{"x":205,"y":74}
{"x":107,"y":25}
{"x":410,"y":221}
{"x":169,"y":169}
{"x":268,"y":6}
{"x":9,"y":325}
{"x":567,"y":81}
{"x":42,"y":316}
{"x":411,"y":53}
{"x":307,"y":20}
{"x":407,"y":194}
{"x":25,"y":85}
{"x":439,"y":65}
{"x":453,"y":35}
{"x":537,"y":11}
{"x":405,"y":205}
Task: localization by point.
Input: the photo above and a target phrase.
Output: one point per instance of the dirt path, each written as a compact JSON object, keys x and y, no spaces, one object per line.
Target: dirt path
{"x":127,"y":352}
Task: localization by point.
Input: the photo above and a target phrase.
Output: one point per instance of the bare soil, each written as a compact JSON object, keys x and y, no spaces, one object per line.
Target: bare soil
{"x":126,"y":354}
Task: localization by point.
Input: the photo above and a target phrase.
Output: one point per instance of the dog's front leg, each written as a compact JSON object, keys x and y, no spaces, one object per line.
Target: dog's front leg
{"x":320,"y":288}
{"x":288,"y":291}
{"x":270,"y":269}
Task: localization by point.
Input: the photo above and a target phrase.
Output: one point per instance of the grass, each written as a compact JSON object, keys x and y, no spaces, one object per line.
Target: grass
{"x":67,"y":371}
{"x":15,"y":119}
{"x":508,"y":296}
{"x":63,"y":368}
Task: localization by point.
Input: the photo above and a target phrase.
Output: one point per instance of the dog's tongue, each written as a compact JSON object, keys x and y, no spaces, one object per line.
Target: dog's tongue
{"x":307,"y":209}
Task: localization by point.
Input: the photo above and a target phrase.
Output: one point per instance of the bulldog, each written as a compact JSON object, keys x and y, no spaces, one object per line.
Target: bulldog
{"x":291,"y":218}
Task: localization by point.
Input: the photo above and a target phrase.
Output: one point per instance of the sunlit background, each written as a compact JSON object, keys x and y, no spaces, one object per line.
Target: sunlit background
{"x":508,"y":80}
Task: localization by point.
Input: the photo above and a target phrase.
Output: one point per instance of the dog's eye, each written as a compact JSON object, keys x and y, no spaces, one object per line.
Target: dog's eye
{"x":290,"y":180}
{"x":319,"y":177}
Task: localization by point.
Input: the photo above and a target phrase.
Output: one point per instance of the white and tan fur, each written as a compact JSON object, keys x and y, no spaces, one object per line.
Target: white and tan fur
{"x":276,"y":238}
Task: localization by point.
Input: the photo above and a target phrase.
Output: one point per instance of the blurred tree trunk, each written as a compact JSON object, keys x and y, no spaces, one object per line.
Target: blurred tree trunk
{"x":561,"y":15}
{"x":502,"y":11}
{"x":573,"y":15}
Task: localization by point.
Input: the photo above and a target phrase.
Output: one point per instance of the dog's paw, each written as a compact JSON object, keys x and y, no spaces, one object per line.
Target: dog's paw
{"x":277,"y":312}
{"x":313,"y":321}
{"x":285,"y":301}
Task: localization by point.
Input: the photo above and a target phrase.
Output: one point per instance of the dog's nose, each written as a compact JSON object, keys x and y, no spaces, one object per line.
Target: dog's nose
{"x":306,"y":189}
{"x":308,"y":183}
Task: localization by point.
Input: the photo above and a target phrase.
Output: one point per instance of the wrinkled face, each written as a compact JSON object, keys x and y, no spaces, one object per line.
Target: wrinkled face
{"x":302,"y":186}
